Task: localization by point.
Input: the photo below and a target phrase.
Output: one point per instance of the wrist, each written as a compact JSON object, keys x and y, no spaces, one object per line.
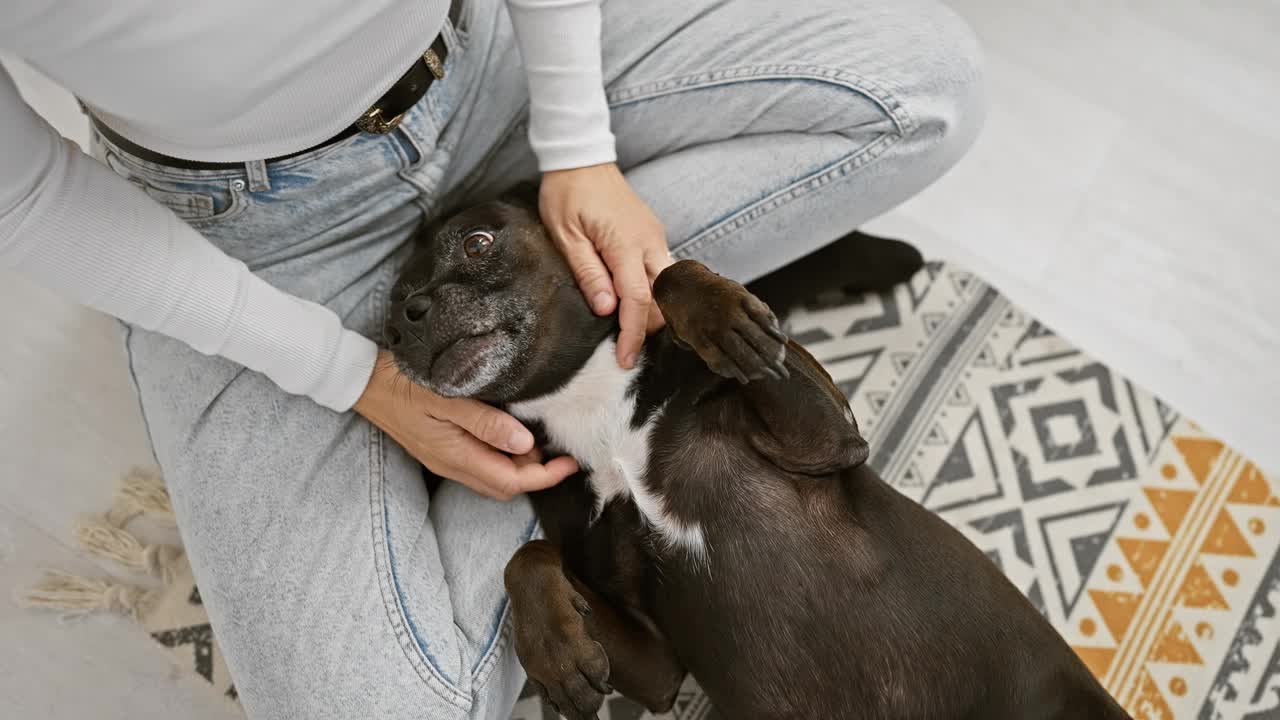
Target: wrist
{"x":581,"y":171}
{"x":374,"y":397}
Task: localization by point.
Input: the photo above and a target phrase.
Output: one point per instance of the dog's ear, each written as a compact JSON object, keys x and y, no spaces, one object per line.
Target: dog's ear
{"x":807,"y":426}
{"x":524,"y":194}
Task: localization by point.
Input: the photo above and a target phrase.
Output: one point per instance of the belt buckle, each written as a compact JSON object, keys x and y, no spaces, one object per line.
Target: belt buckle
{"x":373,"y":122}
{"x":433,"y":63}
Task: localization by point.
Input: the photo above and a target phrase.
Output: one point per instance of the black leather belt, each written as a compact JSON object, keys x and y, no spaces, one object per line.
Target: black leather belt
{"x":382,"y":117}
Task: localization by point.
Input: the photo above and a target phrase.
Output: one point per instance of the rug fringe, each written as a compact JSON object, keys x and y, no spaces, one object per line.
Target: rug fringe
{"x":121,"y":546}
{"x":142,"y":492}
{"x":79,"y":595}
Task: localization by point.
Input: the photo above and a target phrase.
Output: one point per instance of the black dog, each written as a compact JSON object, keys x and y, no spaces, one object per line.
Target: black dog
{"x":724,"y":521}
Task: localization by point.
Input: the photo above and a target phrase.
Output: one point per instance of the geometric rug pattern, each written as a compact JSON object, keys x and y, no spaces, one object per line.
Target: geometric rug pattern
{"x":1149,"y":545}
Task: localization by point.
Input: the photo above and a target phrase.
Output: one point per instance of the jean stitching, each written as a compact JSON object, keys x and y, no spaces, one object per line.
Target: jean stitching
{"x":883,"y":98}
{"x":137,"y":389}
{"x":422,"y":188}
{"x":405,"y":145}
{"x":498,"y":640}
{"x":185,"y":175}
{"x":241,"y":202}
{"x":424,"y":175}
{"x":145,"y":180}
{"x":402,"y":602}
{"x":441,"y":106}
{"x":316,"y":155}
{"x":754,"y":211}
{"x":392,"y":597}
{"x":147,"y":167}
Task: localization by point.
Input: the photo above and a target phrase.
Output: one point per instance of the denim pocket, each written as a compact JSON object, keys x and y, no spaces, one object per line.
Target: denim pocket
{"x":197,"y":197}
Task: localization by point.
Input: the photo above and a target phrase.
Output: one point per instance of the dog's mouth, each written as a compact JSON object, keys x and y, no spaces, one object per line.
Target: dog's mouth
{"x":470,"y":363}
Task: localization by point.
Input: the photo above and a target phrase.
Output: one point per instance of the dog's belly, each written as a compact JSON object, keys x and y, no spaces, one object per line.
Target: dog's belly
{"x":820,"y":609}
{"x":778,"y":639}
{"x":802,"y":613}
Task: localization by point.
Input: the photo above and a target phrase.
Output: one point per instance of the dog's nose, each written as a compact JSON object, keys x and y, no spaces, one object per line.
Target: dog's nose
{"x":405,"y":316}
{"x":391,"y":335}
{"x":415,"y":308}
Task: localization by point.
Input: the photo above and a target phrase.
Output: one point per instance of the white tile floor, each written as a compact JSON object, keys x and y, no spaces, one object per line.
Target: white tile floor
{"x":1121,"y":192}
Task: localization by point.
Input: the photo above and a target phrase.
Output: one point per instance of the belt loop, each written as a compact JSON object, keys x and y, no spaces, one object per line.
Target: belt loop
{"x":450,"y":29}
{"x":259,"y":181}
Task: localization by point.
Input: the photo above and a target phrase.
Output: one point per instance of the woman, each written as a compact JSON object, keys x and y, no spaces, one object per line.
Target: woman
{"x":260,"y":172}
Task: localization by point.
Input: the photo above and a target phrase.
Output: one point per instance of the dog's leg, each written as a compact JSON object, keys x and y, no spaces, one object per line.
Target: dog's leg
{"x":857,"y":262}
{"x":574,"y":644}
{"x":806,"y":426}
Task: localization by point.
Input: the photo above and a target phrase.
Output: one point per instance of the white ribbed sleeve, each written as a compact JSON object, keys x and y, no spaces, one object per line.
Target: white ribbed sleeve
{"x":75,"y":227}
{"x":72,"y":225}
{"x":568,"y":114}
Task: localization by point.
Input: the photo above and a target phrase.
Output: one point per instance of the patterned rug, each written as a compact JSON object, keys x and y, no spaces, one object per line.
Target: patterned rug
{"x":1150,"y":545}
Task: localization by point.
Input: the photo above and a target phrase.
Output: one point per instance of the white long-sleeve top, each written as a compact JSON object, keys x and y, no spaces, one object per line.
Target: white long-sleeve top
{"x":228,"y":81}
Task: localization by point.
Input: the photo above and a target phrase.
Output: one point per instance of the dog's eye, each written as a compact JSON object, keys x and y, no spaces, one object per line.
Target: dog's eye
{"x":477,"y":243}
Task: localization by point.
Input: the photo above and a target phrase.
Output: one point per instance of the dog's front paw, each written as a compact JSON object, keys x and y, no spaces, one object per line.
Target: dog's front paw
{"x":566,"y":665}
{"x":734,"y":333}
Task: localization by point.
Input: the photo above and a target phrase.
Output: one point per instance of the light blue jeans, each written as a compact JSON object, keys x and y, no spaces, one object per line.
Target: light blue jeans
{"x":758,"y":131}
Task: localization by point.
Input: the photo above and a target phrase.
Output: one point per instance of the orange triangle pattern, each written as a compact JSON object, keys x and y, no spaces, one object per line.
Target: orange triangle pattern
{"x":1174,"y":647}
{"x":1199,"y":454}
{"x":1097,"y":659}
{"x":1149,"y":704}
{"x":1199,"y":591}
{"x":1116,"y":608}
{"x":1225,"y":538}
{"x":1144,"y":556}
{"x":1170,"y":505}
{"x":1251,"y":487}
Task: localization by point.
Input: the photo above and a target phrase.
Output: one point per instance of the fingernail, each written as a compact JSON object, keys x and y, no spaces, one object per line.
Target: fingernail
{"x":519,"y":442}
{"x":629,"y":361}
{"x":601,"y":302}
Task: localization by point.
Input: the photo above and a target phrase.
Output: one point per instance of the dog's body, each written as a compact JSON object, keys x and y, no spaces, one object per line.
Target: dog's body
{"x":724,"y":521}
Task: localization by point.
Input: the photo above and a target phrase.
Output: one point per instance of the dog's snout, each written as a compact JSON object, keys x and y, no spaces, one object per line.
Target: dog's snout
{"x":415,"y":308}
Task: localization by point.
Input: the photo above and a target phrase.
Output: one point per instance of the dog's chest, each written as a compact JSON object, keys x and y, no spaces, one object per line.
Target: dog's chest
{"x":590,"y":418}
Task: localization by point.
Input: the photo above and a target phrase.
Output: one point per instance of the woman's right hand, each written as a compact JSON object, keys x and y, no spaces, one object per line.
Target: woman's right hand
{"x":456,"y":438}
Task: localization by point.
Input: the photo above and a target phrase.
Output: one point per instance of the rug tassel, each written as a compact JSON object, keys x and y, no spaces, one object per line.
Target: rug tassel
{"x":121,"y":546}
{"x":80,"y":595}
{"x":142,"y":492}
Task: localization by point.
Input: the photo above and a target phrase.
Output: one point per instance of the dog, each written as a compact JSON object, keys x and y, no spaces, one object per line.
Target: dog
{"x":724,"y":522}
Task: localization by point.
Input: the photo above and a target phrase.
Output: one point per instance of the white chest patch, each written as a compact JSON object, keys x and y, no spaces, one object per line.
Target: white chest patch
{"x":590,"y":419}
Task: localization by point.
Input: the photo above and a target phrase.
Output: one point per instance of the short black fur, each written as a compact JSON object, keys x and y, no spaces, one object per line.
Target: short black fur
{"x":823,"y":592}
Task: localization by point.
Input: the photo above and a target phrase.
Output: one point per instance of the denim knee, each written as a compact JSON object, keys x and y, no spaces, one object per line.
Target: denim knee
{"x":945,"y":97}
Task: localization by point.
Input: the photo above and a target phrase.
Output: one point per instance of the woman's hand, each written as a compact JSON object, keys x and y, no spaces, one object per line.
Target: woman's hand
{"x":614,"y":244}
{"x":455,"y":438}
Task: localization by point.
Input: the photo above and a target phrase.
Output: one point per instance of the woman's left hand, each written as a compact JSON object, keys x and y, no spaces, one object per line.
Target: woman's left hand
{"x":613,"y":242}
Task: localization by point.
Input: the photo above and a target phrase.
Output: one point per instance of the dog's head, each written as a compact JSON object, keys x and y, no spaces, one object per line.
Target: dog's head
{"x":487,"y":308}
